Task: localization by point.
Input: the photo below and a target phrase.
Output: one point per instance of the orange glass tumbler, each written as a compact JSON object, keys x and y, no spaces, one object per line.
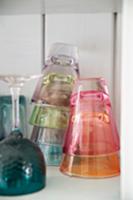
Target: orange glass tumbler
{"x":91,"y":147}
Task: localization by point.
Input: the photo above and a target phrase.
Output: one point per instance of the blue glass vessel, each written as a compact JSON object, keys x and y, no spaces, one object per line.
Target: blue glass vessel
{"x":52,"y":154}
{"x":6,"y":115}
{"x":22,"y":168}
{"x":50,"y":141}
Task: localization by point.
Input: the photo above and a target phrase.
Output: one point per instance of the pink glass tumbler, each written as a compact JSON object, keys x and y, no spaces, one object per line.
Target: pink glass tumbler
{"x":91,"y":147}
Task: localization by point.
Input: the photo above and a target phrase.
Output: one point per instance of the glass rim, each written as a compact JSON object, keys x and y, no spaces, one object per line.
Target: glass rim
{"x":21,"y":75}
{"x":91,"y":79}
{"x":90,"y":84}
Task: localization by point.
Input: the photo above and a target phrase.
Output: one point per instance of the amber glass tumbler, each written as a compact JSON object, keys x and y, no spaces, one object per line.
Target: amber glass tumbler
{"x":91,"y":147}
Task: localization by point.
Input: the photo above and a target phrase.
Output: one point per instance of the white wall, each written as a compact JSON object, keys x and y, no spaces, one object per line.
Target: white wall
{"x":127,"y":102}
{"x":20,"y":45}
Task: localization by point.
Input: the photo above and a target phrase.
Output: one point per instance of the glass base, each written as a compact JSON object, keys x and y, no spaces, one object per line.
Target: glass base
{"x":91,"y":167}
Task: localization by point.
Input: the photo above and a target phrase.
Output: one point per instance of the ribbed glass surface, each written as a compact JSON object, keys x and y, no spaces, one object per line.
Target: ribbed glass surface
{"x":22,"y":166}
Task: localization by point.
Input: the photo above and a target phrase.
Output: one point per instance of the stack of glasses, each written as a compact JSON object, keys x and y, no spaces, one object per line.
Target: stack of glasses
{"x":51,"y":101}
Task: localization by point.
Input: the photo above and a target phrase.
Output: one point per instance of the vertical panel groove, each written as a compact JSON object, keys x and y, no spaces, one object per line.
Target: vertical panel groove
{"x":116,"y":68}
{"x":43,"y":40}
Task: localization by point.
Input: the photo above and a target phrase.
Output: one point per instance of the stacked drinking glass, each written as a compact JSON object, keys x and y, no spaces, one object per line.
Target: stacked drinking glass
{"x":50,"y":114}
{"x":91,"y":147}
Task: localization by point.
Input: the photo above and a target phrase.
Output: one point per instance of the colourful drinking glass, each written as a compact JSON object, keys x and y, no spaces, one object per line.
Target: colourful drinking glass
{"x":50,"y":116}
{"x":48,"y":136}
{"x":54,"y":89}
{"x":58,"y":76}
{"x":91,"y":148}
{"x":52,"y":153}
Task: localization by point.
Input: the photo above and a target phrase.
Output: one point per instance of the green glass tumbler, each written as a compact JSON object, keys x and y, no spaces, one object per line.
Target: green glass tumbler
{"x":50,"y":116}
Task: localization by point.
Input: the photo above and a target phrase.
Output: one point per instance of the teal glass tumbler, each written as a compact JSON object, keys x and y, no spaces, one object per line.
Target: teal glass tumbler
{"x":6,"y":115}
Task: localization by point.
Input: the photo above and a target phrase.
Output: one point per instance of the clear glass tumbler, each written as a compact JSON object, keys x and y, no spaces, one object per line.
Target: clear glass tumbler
{"x":59,"y":76}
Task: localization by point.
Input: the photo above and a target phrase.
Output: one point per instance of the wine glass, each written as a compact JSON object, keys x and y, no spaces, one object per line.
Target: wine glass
{"x":22,"y":166}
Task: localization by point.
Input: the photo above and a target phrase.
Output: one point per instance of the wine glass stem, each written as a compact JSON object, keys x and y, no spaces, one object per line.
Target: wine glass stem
{"x":15,"y":92}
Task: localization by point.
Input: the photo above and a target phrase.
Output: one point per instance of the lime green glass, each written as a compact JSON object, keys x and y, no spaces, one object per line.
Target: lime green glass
{"x":50,"y":116}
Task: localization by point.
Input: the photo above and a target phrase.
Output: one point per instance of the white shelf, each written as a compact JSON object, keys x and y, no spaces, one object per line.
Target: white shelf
{"x":58,"y":6}
{"x":61,"y":187}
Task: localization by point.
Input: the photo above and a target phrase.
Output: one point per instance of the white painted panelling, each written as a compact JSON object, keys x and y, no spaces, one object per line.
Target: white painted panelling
{"x":127,"y":102}
{"x":61,"y":187}
{"x":21,"y":44}
{"x":8,"y":7}
{"x":58,"y":6}
{"x":93,"y":34}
